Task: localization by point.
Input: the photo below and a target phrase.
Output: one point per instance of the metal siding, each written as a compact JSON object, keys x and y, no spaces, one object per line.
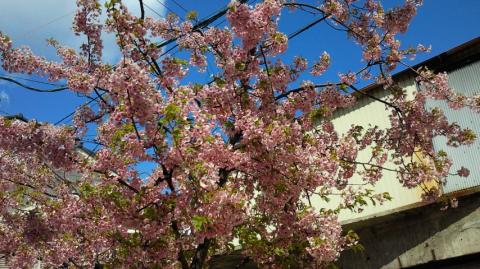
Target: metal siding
{"x":368,"y":111}
{"x":465,"y":80}
{"x":3,"y":264}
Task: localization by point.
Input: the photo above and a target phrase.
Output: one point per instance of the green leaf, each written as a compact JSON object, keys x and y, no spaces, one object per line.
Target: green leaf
{"x":220,"y":82}
{"x":192,"y":15}
{"x":86,"y":189}
{"x":180,"y":61}
{"x":279,"y":251}
{"x":199,"y":222}
{"x":240,"y":66}
{"x":149,"y":213}
{"x":358,"y":248}
{"x":332,"y":266}
{"x":171,"y":112}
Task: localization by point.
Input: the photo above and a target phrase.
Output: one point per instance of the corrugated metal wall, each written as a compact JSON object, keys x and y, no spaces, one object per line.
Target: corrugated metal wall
{"x":467,"y":81}
{"x":3,"y":265}
{"x":368,"y":111}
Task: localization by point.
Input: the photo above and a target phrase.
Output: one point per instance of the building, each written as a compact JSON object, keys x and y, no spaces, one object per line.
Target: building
{"x":408,"y":232}
{"x":71,"y":176}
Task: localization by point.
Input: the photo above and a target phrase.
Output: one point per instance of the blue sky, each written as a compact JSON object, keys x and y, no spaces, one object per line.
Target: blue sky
{"x":440,"y":23}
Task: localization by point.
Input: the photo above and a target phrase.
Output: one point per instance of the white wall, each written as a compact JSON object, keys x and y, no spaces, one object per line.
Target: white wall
{"x":368,"y":111}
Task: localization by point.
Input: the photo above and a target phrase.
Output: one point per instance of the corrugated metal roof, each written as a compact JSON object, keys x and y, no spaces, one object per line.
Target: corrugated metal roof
{"x":461,"y":55}
{"x":465,"y":80}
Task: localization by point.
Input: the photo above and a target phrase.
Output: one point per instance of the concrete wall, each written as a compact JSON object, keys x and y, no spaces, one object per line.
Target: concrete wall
{"x":424,"y":237}
{"x":407,"y":234}
{"x":417,"y":238}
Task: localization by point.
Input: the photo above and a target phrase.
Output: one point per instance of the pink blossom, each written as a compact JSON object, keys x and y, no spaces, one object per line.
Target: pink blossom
{"x":239,"y":157}
{"x":463,"y":172}
{"x":321,"y":66}
{"x":348,"y":79}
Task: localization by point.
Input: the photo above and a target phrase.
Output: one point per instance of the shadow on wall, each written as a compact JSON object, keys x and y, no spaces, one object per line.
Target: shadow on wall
{"x":234,"y":261}
{"x":419,"y":238}
{"x":424,"y":237}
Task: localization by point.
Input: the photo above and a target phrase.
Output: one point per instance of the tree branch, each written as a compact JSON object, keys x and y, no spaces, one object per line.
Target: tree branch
{"x":142,"y":9}
{"x":201,"y":254}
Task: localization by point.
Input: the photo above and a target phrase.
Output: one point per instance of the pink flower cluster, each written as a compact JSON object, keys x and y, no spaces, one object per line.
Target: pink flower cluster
{"x":251,"y":25}
{"x":322,"y":65}
{"x":436,"y":87}
{"x":241,"y":158}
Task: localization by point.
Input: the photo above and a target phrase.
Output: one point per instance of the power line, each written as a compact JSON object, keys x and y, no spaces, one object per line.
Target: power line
{"x":306,"y":27}
{"x":165,"y":6}
{"x":202,"y":24}
{"x":179,"y":5}
{"x":290,"y":36}
{"x":33,"y":80}
{"x":158,"y":14}
{"x":36,"y":29}
{"x":32,"y":88}
{"x":72,"y":113}
{"x":167,"y":51}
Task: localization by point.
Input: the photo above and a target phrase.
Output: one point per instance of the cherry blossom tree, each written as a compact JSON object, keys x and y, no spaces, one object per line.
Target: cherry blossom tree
{"x":237,"y":159}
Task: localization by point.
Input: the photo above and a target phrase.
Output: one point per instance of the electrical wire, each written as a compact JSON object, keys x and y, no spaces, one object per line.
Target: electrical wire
{"x":36,"y":29}
{"x":200,"y":25}
{"x":179,"y":5}
{"x":167,"y":8}
{"x":73,"y":112}
{"x":151,"y":9}
{"x":58,"y":89}
{"x":32,"y":80}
